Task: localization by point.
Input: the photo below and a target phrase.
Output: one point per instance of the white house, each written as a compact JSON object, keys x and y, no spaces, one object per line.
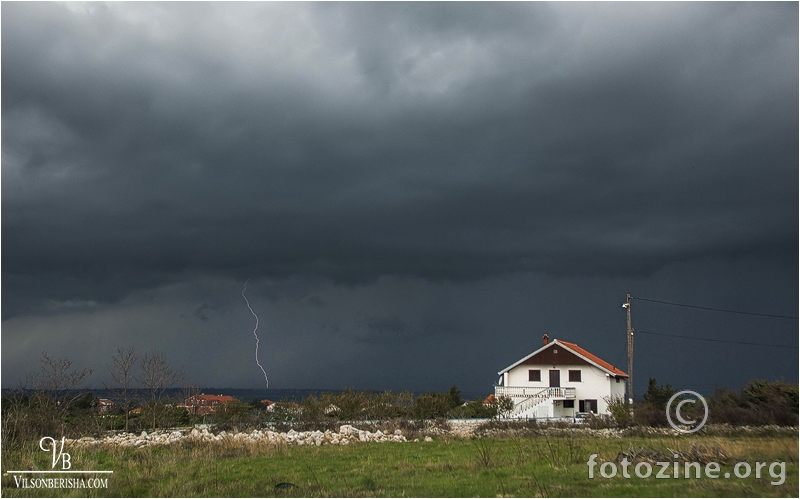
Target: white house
{"x":559,"y":380}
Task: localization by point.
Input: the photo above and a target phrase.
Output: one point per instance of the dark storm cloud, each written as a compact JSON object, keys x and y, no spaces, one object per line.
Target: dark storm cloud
{"x":445,"y":141}
{"x":146,"y":145}
{"x":202,"y":312}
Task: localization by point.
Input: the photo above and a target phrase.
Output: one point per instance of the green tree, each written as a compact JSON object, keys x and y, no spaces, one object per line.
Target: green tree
{"x":658,"y":396}
{"x":504,"y":406}
{"x":234,"y":415}
{"x":455,"y":397}
{"x":761,"y":392}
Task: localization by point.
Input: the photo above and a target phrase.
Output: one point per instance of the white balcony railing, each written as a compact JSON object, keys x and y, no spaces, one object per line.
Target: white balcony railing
{"x":553,"y":392}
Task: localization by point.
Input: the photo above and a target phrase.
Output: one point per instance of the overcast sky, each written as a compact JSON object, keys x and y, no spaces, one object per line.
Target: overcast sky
{"x":416,"y":192}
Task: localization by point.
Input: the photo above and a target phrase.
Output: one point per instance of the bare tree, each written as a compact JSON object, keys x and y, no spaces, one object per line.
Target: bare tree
{"x":122,"y":372}
{"x":57,"y":375}
{"x":189,"y":393}
{"x":54,"y":380}
{"x":157,"y":375}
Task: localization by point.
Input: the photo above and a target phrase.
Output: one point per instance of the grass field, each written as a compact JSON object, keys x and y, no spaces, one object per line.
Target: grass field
{"x":537,"y":466}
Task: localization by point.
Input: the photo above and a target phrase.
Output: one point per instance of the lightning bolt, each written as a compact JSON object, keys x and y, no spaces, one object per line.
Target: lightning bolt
{"x":254,"y":330}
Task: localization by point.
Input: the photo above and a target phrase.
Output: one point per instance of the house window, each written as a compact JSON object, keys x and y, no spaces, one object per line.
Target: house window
{"x":587,"y":406}
{"x":617,"y":379}
{"x":569,"y":404}
{"x":574,"y":374}
{"x":534,"y":375}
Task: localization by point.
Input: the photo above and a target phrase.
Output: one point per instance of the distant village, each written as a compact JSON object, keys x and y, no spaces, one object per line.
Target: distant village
{"x":205,"y":404}
{"x":560,"y":380}
{"x":201,"y":404}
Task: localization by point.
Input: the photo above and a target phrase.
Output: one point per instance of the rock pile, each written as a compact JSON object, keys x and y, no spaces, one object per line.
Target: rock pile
{"x":347,"y":434}
{"x":464,"y":428}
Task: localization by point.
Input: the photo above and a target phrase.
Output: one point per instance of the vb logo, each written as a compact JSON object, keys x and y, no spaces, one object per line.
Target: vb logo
{"x":58,"y":454}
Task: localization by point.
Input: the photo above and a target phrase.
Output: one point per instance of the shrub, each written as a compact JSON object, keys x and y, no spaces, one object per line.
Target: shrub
{"x":620,"y":411}
{"x":760,"y":402}
{"x":431,"y":406}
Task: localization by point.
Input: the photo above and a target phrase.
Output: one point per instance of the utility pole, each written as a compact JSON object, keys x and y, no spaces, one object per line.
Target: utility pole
{"x":627,"y":307}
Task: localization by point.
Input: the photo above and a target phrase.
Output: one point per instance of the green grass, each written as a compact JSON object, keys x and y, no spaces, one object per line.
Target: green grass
{"x":524,"y":467}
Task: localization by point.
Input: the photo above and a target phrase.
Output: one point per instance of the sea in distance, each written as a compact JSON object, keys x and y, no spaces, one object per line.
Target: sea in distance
{"x":244,"y":394}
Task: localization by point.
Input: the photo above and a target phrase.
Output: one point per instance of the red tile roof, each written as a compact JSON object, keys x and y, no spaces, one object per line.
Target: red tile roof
{"x":206,"y":404}
{"x":218,"y":398}
{"x":593,"y":358}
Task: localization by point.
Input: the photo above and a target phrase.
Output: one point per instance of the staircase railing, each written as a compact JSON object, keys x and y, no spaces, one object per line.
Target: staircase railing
{"x":529,"y":402}
{"x":535,"y":396}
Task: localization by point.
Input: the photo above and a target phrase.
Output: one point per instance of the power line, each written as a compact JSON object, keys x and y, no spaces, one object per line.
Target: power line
{"x":718,"y":341}
{"x":621,"y":357}
{"x":776,"y":316}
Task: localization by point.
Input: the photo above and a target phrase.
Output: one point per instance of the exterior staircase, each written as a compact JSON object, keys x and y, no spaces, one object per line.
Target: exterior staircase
{"x":526,"y":407}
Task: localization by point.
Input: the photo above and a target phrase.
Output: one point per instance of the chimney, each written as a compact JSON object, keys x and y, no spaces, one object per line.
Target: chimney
{"x":545,"y":339}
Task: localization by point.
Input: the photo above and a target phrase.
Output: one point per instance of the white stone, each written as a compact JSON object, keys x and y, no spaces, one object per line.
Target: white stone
{"x":348,"y":430}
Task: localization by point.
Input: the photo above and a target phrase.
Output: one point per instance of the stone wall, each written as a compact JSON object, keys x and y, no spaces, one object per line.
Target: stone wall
{"x":349,"y":434}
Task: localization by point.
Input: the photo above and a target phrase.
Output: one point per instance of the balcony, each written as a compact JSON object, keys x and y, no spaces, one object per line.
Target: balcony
{"x":530,"y":391}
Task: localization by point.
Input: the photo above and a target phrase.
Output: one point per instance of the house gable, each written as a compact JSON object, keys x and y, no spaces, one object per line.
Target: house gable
{"x":567,"y":354}
{"x":555,"y":355}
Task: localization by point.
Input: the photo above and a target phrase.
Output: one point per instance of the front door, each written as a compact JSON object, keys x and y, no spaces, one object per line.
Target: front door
{"x":555,"y":378}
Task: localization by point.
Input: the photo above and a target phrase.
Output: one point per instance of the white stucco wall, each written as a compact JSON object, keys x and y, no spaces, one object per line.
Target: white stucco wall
{"x":594,"y":385}
{"x":618,"y":389}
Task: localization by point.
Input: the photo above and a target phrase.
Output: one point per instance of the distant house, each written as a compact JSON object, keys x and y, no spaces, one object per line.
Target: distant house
{"x":332,"y":410}
{"x":103,"y":405}
{"x":288,"y":407}
{"x":559,"y":380}
{"x":205,"y":404}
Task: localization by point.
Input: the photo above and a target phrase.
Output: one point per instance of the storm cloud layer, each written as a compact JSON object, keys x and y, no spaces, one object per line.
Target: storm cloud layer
{"x":383,"y":172}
